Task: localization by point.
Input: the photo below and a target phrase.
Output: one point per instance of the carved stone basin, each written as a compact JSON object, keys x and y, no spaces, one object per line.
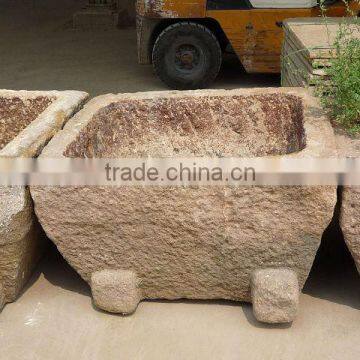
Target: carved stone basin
{"x":200,"y":242}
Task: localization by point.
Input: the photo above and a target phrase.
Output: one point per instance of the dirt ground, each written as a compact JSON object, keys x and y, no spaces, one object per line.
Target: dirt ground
{"x":54,"y":318}
{"x":40,"y":50}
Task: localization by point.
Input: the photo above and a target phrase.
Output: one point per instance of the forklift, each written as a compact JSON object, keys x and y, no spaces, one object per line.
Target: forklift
{"x":185,"y":39}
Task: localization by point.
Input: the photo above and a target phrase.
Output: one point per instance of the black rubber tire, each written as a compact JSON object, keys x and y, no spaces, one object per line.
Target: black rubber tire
{"x":207,"y":49}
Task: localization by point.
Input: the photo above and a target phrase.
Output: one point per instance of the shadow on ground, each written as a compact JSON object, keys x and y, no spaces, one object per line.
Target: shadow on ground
{"x":59,"y":273}
{"x":233,"y":75}
{"x":334,"y":276}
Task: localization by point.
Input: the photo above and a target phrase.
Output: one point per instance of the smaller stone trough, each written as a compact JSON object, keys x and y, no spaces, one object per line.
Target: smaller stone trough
{"x":350,"y":200}
{"x":28,"y":120}
{"x":247,"y":243}
{"x":350,"y":221}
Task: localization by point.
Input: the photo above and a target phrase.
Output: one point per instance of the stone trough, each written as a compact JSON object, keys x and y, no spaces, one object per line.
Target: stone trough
{"x":350,"y":221}
{"x":350,"y":200}
{"x":254,"y":244}
{"x":28,"y":120}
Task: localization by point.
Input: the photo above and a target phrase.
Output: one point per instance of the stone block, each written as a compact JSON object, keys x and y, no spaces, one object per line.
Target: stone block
{"x":275,"y":295}
{"x":28,"y":120}
{"x":115,"y":291}
{"x":196,"y":242}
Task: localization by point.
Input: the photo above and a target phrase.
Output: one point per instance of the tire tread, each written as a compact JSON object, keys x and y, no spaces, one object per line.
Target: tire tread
{"x":157,"y":56}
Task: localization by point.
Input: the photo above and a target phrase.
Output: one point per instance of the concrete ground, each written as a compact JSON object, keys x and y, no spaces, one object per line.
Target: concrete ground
{"x":54,"y":318}
{"x":40,"y":50}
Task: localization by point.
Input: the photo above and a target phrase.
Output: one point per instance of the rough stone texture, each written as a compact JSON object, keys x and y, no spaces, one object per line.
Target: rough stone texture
{"x":17,"y":113}
{"x":115,"y":291}
{"x":350,"y":221}
{"x":44,"y":122}
{"x":28,"y":121}
{"x":350,"y":207}
{"x":254,"y":125}
{"x":275,"y":295}
{"x":193,"y":242}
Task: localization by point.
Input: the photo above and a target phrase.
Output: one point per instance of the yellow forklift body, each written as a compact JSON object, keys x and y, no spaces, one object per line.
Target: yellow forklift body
{"x":255,"y":34}
{"x":170,"y":9}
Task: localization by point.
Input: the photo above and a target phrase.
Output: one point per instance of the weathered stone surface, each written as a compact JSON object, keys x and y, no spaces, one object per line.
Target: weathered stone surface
{"x":17,"y":113}
{"x":350,"y":221}
{"x":350,"y":205}
{"x":115,"y":291}
{"x":21,"y":240}
{"x":254,"y":125}
{"x":275,"y":295}
{"x":28,"y":120}
{"x":191,"y":242}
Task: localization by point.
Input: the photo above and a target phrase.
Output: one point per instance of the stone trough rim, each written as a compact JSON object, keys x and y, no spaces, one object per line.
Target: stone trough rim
{"x":30,"y":141}
{"x":315,"y":119}
{"x":21,"y":241}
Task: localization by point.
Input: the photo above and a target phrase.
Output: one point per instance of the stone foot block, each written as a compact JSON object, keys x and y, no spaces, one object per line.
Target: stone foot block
{"x":275,"y":295}
{"x":115,"y":291}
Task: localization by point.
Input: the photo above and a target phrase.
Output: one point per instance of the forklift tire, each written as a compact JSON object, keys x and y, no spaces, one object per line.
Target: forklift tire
{"x":187,"y":55}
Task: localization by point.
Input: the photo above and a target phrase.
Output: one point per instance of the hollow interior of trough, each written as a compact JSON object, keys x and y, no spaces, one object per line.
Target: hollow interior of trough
{"x":17,"y":113}
{"x":220,"y":126}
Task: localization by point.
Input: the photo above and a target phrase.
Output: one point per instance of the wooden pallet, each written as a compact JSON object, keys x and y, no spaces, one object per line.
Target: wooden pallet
{"x":308,"y":48}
